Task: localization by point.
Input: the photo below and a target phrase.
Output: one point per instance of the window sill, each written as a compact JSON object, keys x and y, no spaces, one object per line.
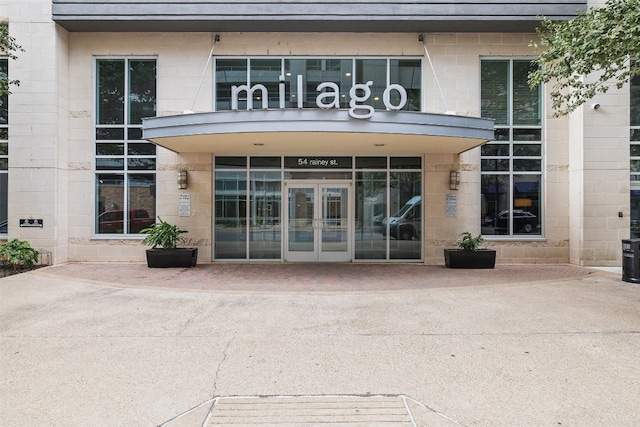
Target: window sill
{"x":117,"y":237}
{"x":514,"y":238}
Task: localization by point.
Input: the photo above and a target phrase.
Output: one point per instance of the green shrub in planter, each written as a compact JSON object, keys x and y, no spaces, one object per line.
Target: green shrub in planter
{"x":469,"y":255}
{"x":167,"y":236}
{"x":162,"y":234}
{"x":18,"y":254}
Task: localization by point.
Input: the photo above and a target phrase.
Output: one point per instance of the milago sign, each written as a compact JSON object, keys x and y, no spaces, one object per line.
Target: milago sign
{"x":328,"y":97}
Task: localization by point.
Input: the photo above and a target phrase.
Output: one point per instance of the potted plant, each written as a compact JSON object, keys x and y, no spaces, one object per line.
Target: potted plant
{"x":167,"y":236}
{"x":468,"y":253}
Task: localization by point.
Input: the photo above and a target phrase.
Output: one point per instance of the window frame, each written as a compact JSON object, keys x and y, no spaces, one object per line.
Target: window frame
{"x":125,"y":172}
{"x":511,"y":128}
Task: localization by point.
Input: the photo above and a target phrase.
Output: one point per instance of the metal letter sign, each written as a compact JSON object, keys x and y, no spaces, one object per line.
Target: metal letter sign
{"x":328,"y":97}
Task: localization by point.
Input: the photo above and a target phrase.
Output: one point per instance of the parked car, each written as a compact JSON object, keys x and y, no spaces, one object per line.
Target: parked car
{"x":112,"y":222}
{"x":406,"y":223}
{"x":523,"y":221}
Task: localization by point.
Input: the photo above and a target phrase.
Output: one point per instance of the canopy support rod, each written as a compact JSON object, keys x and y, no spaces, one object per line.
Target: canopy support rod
{"x":426,"y":51}
{"x":216,"y":39}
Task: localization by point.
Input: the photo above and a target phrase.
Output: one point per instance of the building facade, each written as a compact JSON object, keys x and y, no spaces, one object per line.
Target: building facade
{"x":312,"y":131}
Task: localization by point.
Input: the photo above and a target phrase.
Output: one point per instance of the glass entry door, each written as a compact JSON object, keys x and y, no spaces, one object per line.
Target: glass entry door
{"x":318,"y":222}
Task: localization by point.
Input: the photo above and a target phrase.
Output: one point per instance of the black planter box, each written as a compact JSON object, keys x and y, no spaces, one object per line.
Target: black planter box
{"x":458,"y":258}
{"x":179,"y":257}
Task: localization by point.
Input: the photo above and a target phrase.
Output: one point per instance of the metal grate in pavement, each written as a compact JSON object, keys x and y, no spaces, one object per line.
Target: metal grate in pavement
{"x":312,"y":411}
{"x":352,"y":411}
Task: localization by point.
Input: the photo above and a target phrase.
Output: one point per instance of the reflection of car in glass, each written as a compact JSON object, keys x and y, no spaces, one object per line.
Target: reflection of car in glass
{"x":405,"y":224}
{"x":378,"y":220}
{"x":523,"y":221}
{"x":113,"y":221}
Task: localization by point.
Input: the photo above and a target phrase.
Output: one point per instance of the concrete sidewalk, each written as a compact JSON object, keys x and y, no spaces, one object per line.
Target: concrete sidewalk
{"x":121,"y":345}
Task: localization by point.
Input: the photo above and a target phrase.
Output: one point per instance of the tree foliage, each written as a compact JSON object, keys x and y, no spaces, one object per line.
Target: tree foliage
{"x":600,"y":41}
{"x":8,"y":47}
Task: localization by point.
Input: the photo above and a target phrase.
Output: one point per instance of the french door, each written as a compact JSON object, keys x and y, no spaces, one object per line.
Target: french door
{"x":318,"y":222}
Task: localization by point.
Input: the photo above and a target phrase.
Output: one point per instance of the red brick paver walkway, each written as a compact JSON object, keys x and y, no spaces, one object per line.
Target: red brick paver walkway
{"x":316,"y":277}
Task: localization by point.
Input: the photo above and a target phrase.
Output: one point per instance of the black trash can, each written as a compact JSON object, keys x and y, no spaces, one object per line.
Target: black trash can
{"x":631,"y":260}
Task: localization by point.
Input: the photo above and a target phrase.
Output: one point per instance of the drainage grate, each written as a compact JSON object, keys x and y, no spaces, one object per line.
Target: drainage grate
{"x":308,"y":411}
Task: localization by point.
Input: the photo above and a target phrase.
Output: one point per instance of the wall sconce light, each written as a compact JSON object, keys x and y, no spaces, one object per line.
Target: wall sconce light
{"x":454,"y":180}
{"x":182,"y":180}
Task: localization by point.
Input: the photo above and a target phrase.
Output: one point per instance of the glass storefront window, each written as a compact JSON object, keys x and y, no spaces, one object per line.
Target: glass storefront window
{"x":371,"y":162}
{"x":495,"y":165}
{"x":405,"y":223}
{"x":495,"y":199}
{"x":111,"y":92}
{"x":113,"y":149}
{"x":527,"y":134}
{"x":125,"y":196}
{"x":495,"y":91}
{"x":141,"y":200}
{"x":506,"y":95}
{"x":231,"y":215}
{"x":110,"y":203}
{"x":521,"y":165}
{"x":511,"y":167}
{"x":237,"y":162}
{"x":500,"y":216}
{"x":314,"y":72}
{"x":405,"y":162}
{"x":109,"y":134}
{"x":408,"y":74}
{"x":142,"y":90}
{"x":266,"y":72}
{"x":371,"y":210}
{"x":526,"y":212}
{"x":118,"y":217}
{"x":495,"y":150}
{"x":374,"y":70}
{"x":230,"y":72}
{"x":265,"y":234}
{"x":527,"y":150}
{"x":254,"y":211}
{"x":526,"y":101}
{"x":266,"y":162}
{"x":502,"y":134}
